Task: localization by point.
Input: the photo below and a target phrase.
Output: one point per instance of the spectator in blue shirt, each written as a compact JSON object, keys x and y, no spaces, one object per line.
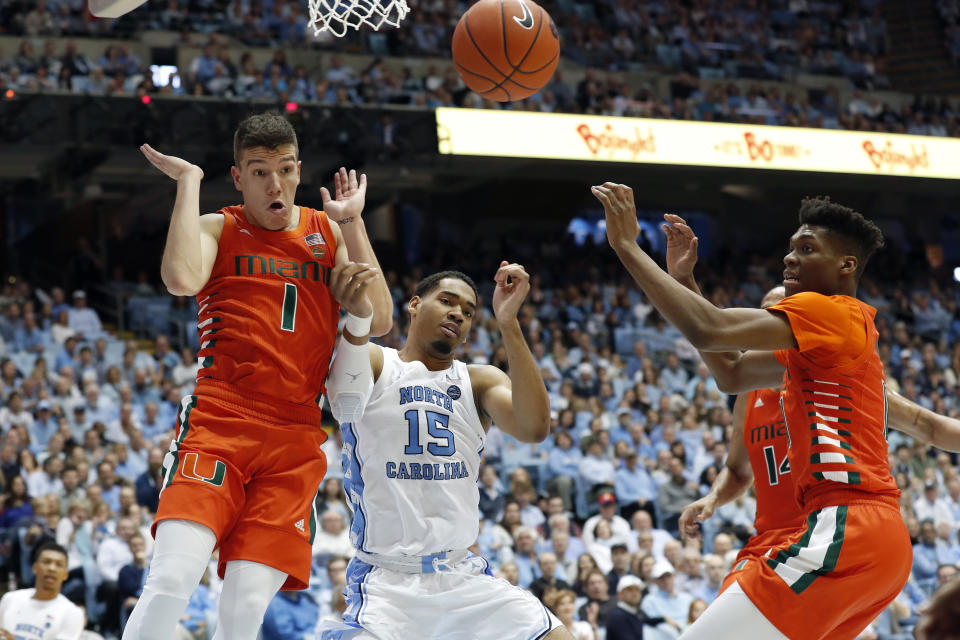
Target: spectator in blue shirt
{"x":84,"y":320}
{"x":663,"y":600}
{"x":715,"y":571}
{"x":45,"y":424}
{"x":31,"y":337}
{"x":709,"y":384}
{"x":673,"y":377}
{"x":109,"y":485}
{"x":525,"y":545}
{"x":635,"y":488}
{"x":563,"y":464}
{"x":925,"y":560}
{"x":68,"y":355}
{"x":292,"y":615}
{"x":595,"y":469}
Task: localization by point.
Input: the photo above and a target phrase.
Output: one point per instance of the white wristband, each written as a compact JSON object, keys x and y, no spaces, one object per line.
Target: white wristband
{"x":358,"y":327}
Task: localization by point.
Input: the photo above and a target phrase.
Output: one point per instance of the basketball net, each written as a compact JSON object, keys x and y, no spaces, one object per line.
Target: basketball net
{"x":335,"y":16}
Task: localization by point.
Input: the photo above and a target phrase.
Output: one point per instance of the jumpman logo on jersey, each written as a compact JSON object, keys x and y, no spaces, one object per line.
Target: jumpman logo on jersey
{"x":758,"y":403}
{"x":246,"y":232}
{"x":353,"y":376}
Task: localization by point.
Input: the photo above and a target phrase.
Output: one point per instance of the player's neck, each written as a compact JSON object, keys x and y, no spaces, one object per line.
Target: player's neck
{"x":45,"y":594}
{"x":410,"y":353}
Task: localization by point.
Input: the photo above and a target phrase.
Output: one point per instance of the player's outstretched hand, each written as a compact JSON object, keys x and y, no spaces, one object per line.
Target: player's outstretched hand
{"x":695,"y":513}
{"x":350,"y":195}
{"x":513,"y":283}
{"x":621,"y":213}
{"x":349,"y":282}
{"x":681,"y":247}
{"x":172,"y":166}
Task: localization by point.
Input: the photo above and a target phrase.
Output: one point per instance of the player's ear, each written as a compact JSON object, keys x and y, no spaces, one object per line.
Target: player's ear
{"x":413,"y":306}
{"x":849,"y":265}
{"x":235,"y":174}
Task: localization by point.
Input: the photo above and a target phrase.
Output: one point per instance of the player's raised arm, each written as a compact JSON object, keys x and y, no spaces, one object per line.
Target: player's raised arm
{"x":192,"y":239}
{"x":357,"y":362}
{"x":921,"y":423}
{"x":734,"y":371}
{"x":345,"y":209}
{"x":517,"y":403}
{"x":734,"y":478}
{"x":705,"y":326}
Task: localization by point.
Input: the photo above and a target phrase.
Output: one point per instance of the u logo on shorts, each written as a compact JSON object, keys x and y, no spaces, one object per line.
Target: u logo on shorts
{"x":189,"y":470}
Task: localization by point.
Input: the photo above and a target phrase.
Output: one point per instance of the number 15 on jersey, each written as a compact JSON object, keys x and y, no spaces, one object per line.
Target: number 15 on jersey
{"x":437,"y":424}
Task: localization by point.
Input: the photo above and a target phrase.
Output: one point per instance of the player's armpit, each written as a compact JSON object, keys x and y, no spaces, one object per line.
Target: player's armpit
{"x":747,"y":371}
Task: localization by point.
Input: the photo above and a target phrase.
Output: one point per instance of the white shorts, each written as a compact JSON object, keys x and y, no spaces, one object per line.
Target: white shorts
{"x":464,"y":602}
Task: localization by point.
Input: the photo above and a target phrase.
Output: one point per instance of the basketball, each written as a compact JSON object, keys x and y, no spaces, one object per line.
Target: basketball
{"x":506,"y":49}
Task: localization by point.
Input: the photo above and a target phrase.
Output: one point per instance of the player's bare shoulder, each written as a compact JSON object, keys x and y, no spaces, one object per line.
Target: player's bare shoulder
{"x":211,"y":224}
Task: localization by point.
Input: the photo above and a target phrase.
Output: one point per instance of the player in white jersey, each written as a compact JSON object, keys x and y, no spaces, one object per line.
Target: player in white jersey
{"x":413,"y":423}
{"x":42,"y":613}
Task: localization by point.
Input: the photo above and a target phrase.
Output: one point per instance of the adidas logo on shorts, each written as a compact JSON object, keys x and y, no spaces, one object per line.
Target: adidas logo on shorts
{"x":299,"y":524}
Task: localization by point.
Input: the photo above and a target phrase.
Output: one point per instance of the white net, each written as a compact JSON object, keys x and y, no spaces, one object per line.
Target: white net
{"x":336,"y":16}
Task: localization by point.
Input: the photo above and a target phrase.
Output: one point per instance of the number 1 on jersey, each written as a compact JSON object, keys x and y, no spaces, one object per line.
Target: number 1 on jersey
{"x":774,"y":471}
{"x":288,"y":316}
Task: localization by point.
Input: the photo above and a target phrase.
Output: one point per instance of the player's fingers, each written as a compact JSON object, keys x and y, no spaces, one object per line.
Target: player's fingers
{"x":673,"y":218}
{"x":353,"y":179}
{"x":337,"y":185}
{"x":342,"y":273}
{"x":601,"y":194}
{"x":324,"y":195}
{"x":516,"y":273}
{"x":363,"y":181}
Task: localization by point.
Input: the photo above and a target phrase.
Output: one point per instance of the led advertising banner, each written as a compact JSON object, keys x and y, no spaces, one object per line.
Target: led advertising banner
{"x":521,"y":134}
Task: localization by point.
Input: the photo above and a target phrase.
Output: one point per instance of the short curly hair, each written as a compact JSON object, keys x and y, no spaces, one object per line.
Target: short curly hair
{"x":432,"y":281}
{"x":268,"y":130}
{"x":860,"y":236}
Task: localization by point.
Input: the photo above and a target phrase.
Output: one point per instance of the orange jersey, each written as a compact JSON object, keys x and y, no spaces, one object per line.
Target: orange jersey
{"x":765,"y":437}
{"x":267,"y":319}
{"x":834,"y":401}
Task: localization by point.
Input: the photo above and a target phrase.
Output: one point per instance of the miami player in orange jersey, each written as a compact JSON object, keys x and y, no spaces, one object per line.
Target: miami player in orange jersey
{"x":246,"y":464}
{"x":758,"y":446}
{"x":826,"y":578}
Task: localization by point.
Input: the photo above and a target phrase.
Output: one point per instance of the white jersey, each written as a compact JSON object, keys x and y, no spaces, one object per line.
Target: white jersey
{"x":411,"y":462}
{"x":30,"y":619}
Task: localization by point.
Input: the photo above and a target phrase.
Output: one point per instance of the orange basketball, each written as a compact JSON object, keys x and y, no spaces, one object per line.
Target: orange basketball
{"x":506,"y":49}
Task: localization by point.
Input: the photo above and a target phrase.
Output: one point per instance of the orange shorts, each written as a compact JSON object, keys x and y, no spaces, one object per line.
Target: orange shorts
{"x":835,"y":575}
{"x":250,"y":475}
{"x":756,"y":547}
